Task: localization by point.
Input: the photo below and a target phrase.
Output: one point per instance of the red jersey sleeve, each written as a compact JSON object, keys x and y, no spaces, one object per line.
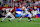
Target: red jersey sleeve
{"x":12,"y":10}
{"x":30,"y":10}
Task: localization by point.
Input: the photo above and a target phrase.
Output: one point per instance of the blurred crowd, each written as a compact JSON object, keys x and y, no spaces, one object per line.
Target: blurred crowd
{"x":27,"y":3}
{"x":17,"y":3}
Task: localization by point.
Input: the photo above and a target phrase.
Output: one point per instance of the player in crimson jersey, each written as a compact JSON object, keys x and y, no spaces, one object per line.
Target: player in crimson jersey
{"x":30,"y":13}
{"x":10,"y":14}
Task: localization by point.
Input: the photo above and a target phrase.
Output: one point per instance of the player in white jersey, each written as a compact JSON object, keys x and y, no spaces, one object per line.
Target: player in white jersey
{"x":23,"y":14}
{"x":9,"y":14}
{"x":34,"y":12}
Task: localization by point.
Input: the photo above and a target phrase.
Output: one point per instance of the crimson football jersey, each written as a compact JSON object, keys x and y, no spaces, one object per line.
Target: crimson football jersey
{"x":12,"y":10}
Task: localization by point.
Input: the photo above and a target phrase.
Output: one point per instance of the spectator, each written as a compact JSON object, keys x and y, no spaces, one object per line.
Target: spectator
{"x":0,"y":13}
{"x":5,"y":5}
{"x":27,"y":3}
{"x":24,"y":3}
{"x":0,"y":4}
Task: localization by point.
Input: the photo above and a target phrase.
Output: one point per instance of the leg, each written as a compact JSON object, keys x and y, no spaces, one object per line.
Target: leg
{"x":4,"y":18}
{"x":12,"y":17}
{"x":33,"y":16}
{"x":33,"y":19}
{"x":29,"y":17}
{"x":20,"y":18}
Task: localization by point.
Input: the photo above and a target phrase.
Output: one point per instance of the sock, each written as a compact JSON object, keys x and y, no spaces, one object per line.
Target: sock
{"x":29,"y":19}
{"x":4,"y":18}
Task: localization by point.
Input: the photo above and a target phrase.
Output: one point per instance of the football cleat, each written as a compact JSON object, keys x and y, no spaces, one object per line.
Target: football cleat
{"x":10,"y":20}
{"x":29,"y":20}
{"x":1,"y":21}
{"x":19,"y":21}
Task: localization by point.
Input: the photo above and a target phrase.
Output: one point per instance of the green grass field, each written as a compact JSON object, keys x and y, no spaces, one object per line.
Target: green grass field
{"x":23,"y":23}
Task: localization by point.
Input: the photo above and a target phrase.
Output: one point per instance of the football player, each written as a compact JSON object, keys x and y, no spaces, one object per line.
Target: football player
{"x":34,"y":11}
{"x":9,"y":14}
{"x":25,"y":13}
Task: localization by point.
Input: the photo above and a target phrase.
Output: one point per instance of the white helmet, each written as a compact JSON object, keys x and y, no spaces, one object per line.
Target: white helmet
{"x":23,"y":7}
{"x":35,"y":7}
